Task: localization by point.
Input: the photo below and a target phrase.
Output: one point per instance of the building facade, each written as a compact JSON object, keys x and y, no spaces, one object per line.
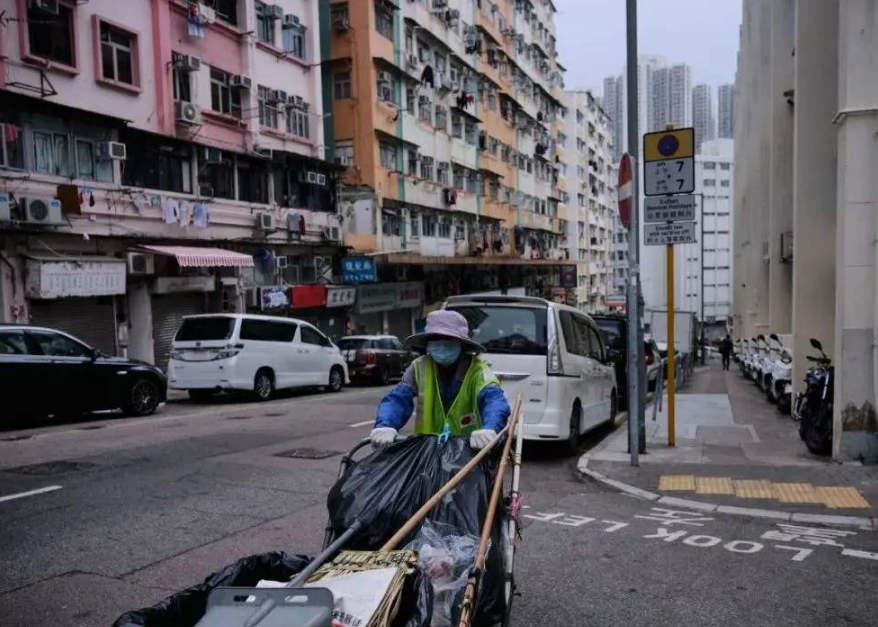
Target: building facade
{"x":615,"y":100}
{"x":670,"y":97}
{"x":159,"y":159}
{"x":702,"y":115}
{"x":445,"y":120}
{"x":806,"y":200}
{"x":726,"y":111}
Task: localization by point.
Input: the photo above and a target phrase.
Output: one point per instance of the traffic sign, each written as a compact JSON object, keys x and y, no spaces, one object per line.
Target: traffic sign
{"x":669,"y":208}
{"x":669,"y":233}
{"x":625,"y":190}
{"x":669,"y":162}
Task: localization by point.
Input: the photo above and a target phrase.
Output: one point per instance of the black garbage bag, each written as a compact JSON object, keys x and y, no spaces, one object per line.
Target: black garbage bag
{"x":385,"y":489}
{"x":186,"y":608}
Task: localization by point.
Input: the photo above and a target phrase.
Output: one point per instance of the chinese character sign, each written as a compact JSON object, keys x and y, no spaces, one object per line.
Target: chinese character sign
{"x":359,"y":270}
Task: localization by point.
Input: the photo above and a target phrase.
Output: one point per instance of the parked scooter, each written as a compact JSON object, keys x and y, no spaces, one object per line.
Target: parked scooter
{"x":814,"y":407}
{"x":769,"y":365}
{"x":759,"y":359}
{"x":780,"y":388}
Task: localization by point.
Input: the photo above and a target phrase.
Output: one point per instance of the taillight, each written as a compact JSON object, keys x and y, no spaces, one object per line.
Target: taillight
{"x":370,"y":358}
{"x":649,"y":359}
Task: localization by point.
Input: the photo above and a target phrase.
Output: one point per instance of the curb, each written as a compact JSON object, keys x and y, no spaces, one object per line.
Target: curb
{"x":863,"y":523}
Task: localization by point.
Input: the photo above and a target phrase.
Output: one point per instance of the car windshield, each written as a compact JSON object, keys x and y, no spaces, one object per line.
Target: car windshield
{"x":199,"y":329}
{"x":611,"y":330}
{"x":507,"y":330}
{"x":355,"y":343}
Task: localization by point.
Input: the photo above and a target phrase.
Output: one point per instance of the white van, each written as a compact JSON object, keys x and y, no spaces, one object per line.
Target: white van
{"x":552,"y":354}
{"x":260,"y":354}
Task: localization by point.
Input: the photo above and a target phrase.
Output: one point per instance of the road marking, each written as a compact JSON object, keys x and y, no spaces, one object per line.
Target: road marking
{"x":22,"y":495}
{"x":361,"y":424}
{"x":864,"y":554}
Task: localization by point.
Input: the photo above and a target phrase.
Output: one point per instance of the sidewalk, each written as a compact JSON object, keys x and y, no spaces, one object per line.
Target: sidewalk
{"x":733,"y":449}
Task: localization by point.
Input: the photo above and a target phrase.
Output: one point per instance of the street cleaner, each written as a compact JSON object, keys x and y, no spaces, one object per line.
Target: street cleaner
{"x":455,"y":391}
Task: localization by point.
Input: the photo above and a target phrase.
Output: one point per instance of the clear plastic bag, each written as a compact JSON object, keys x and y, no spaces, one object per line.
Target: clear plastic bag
{"x":445,"y":555}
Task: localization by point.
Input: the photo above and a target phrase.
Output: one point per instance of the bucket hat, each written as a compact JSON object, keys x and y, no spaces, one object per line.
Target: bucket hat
{"x":444,"y":325}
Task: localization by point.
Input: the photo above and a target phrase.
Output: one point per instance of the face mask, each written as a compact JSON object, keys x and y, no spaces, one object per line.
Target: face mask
{"x":444,"y":353}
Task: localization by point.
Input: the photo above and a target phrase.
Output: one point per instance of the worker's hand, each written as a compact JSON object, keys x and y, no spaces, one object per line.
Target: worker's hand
{"x":383,"y":436}
{"x":482,"y":438}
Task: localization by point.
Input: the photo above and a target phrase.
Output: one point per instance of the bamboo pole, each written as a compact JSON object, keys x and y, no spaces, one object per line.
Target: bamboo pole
{"x":419,"y":515}
{"x":471,"y":585}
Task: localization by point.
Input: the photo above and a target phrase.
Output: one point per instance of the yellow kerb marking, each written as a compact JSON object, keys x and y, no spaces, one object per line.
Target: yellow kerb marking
{"x":714,"y":485}
{"x":795,"y":493}
{"x":753,"y":489}
{"x":841,"y":498}
{"x":677,"y":482}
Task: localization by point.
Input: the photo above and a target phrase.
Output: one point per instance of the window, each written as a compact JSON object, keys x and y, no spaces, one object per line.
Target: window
{"x":709,"y":165}
{"x":388,"y":156}
{"x":724,"y":183}
{"x":52,"y":37}
{"x":415,"y":225}
{"x":508,"y":330}
{"x":341,"y":85}
{"x":118,"y":50}
{"x":391,"y":225}
{"x":441,"y":121}
{"x":344,"y":153}
{"x":471,"y":132}
{"x":217,"y":180}
{"x":294,"y":39}
{"x":338,"y":16}
{"x":410,"y":100}
{"x":156,"y":164}
{"x":459,"y":178}
{"x":429,"y":223}
{"x":710,"y":182}
{"x":456,"y":125}
{"x":264,"y":24}
{"x":442,"y":172}
{"x":298,"y":123}
{"x":224,"y":98}
{"x":425,"y":110}
{"x":413,"y":162}
{"x":472,"y":182}
{"x":182,"y":81}
{"x":11,"y":146}
{"x":206,"y":328}
{"x":252,"y":181}
{"x":427,"y":168}
{"x":52,"y":153}
{"x":311,"y":335}
{"x":384,"y":19}
{"x":227,"y":10}
{"x":386,"y":88}
{"x":85,"y":160}
{"x":725,"y":166}
{"x":267,"y":108}
{"x":267,"y":331}
{"x":57,"y":345}
{"x":445,"y":228}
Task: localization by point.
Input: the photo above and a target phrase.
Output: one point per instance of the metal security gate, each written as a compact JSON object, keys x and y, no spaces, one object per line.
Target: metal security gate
{"x":167,"y":315}
{"x":89,"y":319}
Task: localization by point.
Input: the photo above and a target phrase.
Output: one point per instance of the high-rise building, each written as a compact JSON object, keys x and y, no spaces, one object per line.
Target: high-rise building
{"x":670,"y":97}
{"x":726,"y":111}
{"x":616,"y":101}
{"x":613,"y":103}
{"x":702,"y":115}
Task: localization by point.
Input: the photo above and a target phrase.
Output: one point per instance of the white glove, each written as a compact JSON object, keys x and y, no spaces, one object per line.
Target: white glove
{"x":383,"y":436}
{"x":481,"y":438}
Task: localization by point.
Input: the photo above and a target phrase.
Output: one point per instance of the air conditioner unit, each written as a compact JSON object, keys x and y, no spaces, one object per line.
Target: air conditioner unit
{"x":211,"y":155}
{"x":187,"y":63}
{"x":292,"y":21}
{"x":438,"y":5}
{"x":282,"y":96}
{"x":42,"y":211}
{"x":321,"y":179}
{"x":384,"y":76}
{"x":187,"y":113}
{"x":281,"y":262}
{"x":299,"y":102}
{"x":275,"y":12}
{"x":265,"y":221}
{"x":240,"y":82}
{"x":311,"y":177}
{"x":274,"y":96}
{"x":141,"y":264}
{"x":49,"y":7}
{"x":111,"y":151}
{"x":331,"y":233}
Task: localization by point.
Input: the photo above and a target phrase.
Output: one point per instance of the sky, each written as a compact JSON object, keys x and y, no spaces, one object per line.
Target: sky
{"x":702,"y":33}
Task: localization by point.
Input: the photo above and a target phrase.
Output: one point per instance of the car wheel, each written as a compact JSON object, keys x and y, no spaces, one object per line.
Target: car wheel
{"x":383,"y":377}
{"x":143,"y":398}
{"x":336,"y":379}
{"x":263,"y":384}
{"x":200,"y":396}
{"x":575,"y":426}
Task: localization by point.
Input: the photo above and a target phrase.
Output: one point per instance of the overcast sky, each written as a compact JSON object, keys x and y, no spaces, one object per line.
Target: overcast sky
{"x":702,"y":33}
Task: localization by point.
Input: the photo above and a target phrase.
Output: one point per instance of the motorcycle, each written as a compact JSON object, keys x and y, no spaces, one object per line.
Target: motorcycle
{"x":814,"y":407}
{"x":769,"y":366}
{"x":760,"y":357}
{"x":781,"y":388}
{"x":747,"y":362}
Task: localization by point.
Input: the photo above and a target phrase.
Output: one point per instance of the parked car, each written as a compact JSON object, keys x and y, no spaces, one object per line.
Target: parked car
{"x":654,"y":366}
{"x":553,"y":354}
{"x":375,"y":358}
{"x":259,"y":354}
{"x":45,"y":371}
{"x":614,"y":330}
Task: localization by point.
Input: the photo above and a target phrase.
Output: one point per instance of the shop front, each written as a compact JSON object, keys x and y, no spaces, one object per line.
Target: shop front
{"x":388,"y":308}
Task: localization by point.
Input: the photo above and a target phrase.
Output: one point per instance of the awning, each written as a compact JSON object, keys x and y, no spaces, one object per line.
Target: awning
{"x":196,"y":257}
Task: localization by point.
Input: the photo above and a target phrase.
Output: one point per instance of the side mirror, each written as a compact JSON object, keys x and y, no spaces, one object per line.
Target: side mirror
{"x":816,"y":344}
{"x":95,"y":354}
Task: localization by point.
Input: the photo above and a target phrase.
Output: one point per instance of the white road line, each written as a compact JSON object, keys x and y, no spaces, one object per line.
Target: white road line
{"x":864,"y":554}
{"x":361,"y":424}
{"x":22,"y":495}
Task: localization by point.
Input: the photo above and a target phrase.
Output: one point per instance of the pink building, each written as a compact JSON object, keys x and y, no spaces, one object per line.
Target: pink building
{"x":126,"y":124}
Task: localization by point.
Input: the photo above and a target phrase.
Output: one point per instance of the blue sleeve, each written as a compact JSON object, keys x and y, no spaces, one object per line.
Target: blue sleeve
{"x":396,"y":408}
{"x":493,"y":408}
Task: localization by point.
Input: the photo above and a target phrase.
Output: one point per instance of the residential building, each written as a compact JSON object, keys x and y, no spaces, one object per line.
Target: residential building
{"x":670,"y":97}
{"x":589,"y":181}
{"x":726,"y":111}
{"x":615,"y":101}
{"x":805,"y":197}
{"x":702,"y":115}
{"x":619,"y":262}
{"x":445,"y":118}
{"x":159,"y":159}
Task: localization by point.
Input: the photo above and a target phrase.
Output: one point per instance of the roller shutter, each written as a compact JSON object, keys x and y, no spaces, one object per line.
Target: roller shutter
{"x":167,"y":315}
{"x":88,"y":319}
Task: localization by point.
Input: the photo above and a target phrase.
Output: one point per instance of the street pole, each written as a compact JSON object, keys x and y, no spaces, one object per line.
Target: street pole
{"x":635,"y":341}
{"x":672,"y":353}
{"x":703,"y":314}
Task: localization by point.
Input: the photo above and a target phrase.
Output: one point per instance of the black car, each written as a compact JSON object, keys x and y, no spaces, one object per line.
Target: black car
{"x":614,"y":329}
{"x":45,"y":371}
{"x":375,"y":358}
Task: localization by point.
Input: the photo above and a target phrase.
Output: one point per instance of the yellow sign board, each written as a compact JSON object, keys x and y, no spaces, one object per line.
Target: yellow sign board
{"x":674,"y":144}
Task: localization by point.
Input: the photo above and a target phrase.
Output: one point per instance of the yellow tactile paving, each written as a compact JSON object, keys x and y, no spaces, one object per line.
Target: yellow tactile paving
{"x":841,"y":498}
{"x":753,"y":489}
{"x":795,"y":493}
{"x":677,"y":483}
{"x":714,"y":485}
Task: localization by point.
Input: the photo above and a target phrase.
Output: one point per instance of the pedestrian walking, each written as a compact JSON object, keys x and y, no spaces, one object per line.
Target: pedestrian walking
{"x":725,"y":349}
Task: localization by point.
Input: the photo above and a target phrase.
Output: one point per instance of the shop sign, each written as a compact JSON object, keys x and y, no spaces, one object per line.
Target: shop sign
{"x":177,"y":284}
{"x":341,"y":296}
{"x":73,"y":277}
{"x":377,"y":297}
{"x":568,"y":276}
{"x":358,"y":270}
{"x":275,"y":297}
{"x":308,"y":296}
{"x":409,"y":295}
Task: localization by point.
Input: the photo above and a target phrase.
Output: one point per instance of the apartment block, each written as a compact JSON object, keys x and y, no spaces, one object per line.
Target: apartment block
{"x":703,"y":119}
{"x":726,"y":111}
